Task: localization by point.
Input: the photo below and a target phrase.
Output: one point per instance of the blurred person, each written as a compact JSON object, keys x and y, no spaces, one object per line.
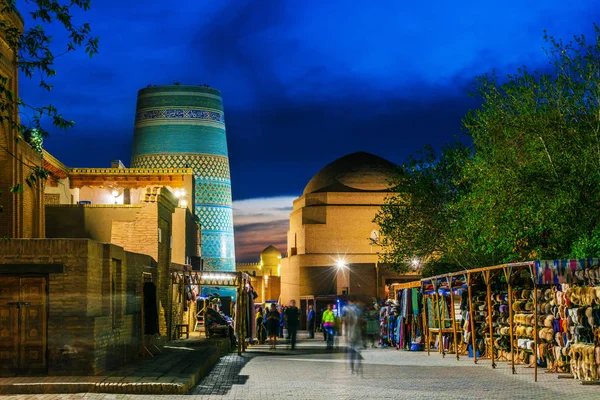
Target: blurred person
{"x":352,"y":326}
{"x":372,"y":325}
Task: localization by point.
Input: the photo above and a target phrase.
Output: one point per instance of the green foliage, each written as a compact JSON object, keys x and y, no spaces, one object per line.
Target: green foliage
{"x":529,"y":187}
{"x":416,"y":217}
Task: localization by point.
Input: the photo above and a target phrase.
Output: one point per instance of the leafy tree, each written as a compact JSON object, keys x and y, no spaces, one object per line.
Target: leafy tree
{"x":415,"y":220}
{"x":528,"y":189}
{"x":35,"y":57}
{"x":536,"y":166}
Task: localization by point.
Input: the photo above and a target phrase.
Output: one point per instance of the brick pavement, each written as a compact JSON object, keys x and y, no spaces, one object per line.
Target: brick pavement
{"x":310,"y":373}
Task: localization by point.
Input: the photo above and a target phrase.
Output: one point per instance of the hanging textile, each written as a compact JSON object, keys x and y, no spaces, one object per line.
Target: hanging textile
{"x":416,"y":303}
{"x":405,"y":304}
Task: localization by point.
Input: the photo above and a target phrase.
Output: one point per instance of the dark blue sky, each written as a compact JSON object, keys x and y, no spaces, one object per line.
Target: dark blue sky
{"x":303,"y":83}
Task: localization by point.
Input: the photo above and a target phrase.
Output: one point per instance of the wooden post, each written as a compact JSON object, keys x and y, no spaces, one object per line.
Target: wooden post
{"x":426,"y":323}
{"x":244,"y":314}
{"x":508,"y":274}
{"x":238,"y":322}
{"x":453,"y":315}
{"x":535,"y":324}
{"x":490,"y":321}
{"x":471,"y":318}
{"x":440,"y":329}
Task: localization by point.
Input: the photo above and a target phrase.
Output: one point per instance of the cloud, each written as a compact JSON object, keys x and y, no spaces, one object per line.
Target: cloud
{"x":300,"y":88}
{"x":262,"y":210}
{"x":258,"y":223}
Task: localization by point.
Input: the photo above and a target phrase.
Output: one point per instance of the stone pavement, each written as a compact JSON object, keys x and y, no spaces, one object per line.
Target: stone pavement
{"x":310,"y":372}
{"x":177,"y":369}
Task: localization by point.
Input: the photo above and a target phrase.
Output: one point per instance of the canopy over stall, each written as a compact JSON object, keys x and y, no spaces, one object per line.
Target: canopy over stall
{"x":235,"y":280}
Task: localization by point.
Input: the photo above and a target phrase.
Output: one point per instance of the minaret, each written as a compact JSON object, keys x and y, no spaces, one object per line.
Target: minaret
{"x":184,"y":126}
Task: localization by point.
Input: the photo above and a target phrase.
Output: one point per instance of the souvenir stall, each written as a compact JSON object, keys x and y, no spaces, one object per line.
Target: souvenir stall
{"x":475,"y":307}
{"x":438,"y":310}
{"x":570,"y":306}
{"x":537,"y":314}
{"x":504,"y":314}
{"x":457,"y":284}
{"x":216,"y":321}
{"x":445,"y":310}
{"x":409,"y":324}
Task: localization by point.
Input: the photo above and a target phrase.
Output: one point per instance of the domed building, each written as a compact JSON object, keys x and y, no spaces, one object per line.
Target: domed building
{"x":329,"y":249}
{"x":264,"y":275}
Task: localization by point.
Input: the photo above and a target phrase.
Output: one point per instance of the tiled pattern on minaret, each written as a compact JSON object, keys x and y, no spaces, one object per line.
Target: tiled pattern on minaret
{"x":184,"y":126}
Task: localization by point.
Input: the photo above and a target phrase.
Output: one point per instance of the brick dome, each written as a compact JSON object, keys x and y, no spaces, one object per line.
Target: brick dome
{"x":356,"y":172}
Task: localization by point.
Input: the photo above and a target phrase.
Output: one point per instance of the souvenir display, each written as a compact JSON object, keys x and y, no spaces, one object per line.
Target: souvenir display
{"x":543,"y":314}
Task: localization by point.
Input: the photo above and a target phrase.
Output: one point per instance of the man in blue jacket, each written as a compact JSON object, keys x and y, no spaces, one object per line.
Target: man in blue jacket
{"x":311,"y":322}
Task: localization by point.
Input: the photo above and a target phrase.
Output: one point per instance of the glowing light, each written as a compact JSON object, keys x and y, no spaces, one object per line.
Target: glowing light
{"x":415,"y":262}
{"x":115,"y":193}
{"x":179,"y":193}
{"x":183,"y":203}
{"x":340,"y":263}
{"x":218,"y":277}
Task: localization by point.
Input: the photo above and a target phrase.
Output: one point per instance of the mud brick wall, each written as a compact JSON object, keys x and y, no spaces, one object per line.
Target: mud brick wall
{"x":85,"y":336}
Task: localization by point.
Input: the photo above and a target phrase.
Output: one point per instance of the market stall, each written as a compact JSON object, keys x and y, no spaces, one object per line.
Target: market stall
{"x":409,"y":329}
{"x":243,"y":310}
{"x":537,"y":314}
{"x":437,"y":306}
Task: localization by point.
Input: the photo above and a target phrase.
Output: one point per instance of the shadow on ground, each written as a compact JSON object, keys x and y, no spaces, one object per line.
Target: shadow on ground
{"x":226,"y":372}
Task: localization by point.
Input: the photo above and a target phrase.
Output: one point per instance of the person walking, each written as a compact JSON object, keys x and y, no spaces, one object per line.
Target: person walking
{"x":273,"y":325}
{"x":311,"y":322}
{"x":351,"y":320}
{"x":329,"y":324}
{"x":291,"y":318}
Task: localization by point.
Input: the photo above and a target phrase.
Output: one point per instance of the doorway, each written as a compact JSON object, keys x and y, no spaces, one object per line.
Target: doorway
{"x":304,"y":303}
{"x":23,"y":323}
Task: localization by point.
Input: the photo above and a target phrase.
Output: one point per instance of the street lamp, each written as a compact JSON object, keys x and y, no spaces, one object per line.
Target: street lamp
{"x":342,"y":267}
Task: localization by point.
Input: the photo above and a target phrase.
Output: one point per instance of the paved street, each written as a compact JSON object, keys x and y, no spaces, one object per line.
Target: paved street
{"x":310,"y":373}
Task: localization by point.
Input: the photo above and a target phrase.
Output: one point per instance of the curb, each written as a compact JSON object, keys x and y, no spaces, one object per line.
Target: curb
{"x":177,"y":384}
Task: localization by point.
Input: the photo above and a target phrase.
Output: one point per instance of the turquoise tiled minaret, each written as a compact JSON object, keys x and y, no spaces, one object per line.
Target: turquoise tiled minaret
{"x":184,"y":126}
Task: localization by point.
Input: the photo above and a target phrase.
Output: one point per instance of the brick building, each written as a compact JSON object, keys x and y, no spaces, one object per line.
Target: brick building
{"x":329,"y":250}
{"x":17,"y":158}
{"x":265,"y":274}
{"x":81,"y":250}
{"x":109,"y":230}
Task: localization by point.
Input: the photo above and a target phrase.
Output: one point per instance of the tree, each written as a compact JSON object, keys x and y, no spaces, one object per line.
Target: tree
{"x":528,"y":189}
{"x":36,"y":57}
{"x":416,"y":220}
{"x":536,"y":166}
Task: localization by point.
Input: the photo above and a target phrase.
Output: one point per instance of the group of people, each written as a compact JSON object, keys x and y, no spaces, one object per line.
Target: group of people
{"x":359,"y":324}
{"x":272,"y":321}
